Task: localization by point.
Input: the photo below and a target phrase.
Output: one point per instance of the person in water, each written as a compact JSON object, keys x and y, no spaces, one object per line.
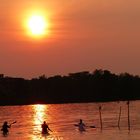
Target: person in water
{"x":5,"y":128}
{"x":81,"y":126}
{"x":45,"y":128}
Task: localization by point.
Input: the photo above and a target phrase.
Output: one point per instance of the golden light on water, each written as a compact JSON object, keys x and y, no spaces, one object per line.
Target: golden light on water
{"x":40,"y":114}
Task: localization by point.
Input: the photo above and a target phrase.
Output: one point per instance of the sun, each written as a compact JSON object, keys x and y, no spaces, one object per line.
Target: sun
{"x":37,"y":25}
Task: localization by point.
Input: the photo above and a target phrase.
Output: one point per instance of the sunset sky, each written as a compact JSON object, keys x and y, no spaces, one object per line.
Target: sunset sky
{"x":79,"y":35}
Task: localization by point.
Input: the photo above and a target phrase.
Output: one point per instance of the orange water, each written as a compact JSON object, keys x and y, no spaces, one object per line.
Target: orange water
{"x":62,"y":117}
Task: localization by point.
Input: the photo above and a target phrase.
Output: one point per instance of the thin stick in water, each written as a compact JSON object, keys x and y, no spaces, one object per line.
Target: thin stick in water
{"x":119,"y":118}
{"x":128,"y":115}
{"x":100,"y":117}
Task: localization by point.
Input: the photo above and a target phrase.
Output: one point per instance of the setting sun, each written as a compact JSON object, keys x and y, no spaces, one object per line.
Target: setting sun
{"x":37,"y":25}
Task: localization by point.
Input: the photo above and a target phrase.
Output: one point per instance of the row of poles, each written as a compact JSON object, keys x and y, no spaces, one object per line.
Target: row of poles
{"x":128,"y":116}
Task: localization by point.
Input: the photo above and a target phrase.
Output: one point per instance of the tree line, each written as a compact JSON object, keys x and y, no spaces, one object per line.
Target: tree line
{"x":98,"y":86}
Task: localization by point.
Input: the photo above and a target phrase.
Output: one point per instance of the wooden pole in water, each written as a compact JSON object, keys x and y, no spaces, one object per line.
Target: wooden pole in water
{"x":128,"y":115}
{"x":119,"y":117}
{"x":100,"y":117}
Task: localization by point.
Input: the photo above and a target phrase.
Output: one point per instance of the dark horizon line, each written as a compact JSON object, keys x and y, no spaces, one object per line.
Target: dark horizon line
{"x":84,"y":102}
{"x":63,"y":75}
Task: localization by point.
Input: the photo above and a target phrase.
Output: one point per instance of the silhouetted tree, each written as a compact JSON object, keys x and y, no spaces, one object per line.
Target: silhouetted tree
{"x":100,"y":85}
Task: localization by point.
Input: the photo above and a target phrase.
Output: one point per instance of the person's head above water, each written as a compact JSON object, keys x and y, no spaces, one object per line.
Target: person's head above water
{"x":5,"y":123}
{"x":81,"y":120}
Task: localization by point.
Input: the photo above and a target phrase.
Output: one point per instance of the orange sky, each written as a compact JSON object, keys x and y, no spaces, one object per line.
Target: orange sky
{"x":83,"y":35}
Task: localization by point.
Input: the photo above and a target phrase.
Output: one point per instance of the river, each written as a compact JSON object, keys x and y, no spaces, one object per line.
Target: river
{"x":62,"y":117}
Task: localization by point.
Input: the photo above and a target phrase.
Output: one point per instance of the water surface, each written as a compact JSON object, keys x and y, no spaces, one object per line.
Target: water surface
{"x":62,"y":117}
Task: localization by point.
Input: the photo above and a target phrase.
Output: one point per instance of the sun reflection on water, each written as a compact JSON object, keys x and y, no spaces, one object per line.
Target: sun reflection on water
{"x":41,"y":114}
{"x":38,"y":118}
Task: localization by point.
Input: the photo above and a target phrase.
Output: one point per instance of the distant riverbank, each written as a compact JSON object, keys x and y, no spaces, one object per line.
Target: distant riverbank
{"x":99,"y":86}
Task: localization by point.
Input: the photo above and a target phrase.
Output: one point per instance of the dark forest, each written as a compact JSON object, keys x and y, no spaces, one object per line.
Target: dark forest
{"x":98,"y":86}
